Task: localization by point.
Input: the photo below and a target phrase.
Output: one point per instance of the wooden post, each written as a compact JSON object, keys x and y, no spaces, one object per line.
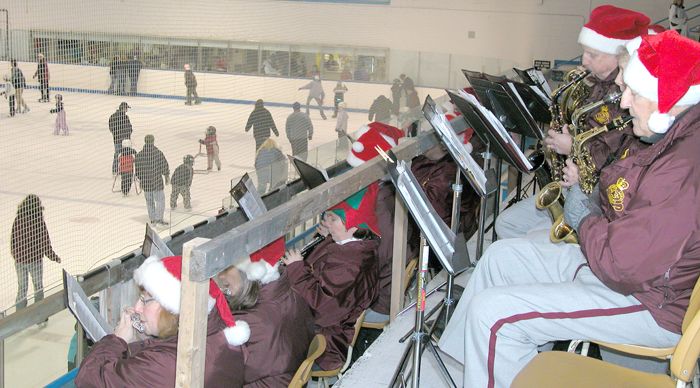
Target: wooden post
{"x":398,"y":265}
{"x":192,"y":337}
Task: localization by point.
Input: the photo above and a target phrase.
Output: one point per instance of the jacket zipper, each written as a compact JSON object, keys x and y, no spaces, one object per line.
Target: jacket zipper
{"x":667,"y":277}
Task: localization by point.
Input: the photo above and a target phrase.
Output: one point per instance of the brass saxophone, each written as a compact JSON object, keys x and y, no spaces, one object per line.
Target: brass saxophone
{"x":588,"y":175}
{"x":552,"y":199}
{"x":578,"y":118}
{"x":559,"y":119}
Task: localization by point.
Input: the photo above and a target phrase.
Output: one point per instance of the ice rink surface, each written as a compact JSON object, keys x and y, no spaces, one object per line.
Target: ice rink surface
{"x":88,"y":223}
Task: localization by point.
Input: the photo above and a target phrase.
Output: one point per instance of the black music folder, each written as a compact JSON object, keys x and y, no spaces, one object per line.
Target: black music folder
{"x":534,"y":77}
{"x":516,"y":105}
{"x":312,"y":176}
{"x":490,"y":130}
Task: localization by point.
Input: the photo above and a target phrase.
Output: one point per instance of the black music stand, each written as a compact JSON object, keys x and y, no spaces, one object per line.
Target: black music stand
{"x":494,"y":135}
{"x":449,"y":250}
{"x":533,"y":76}
{"x":484,"y":184}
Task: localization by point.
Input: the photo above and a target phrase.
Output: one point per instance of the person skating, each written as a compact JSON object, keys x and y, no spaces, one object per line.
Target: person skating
{"x":316,"y":92}
{"x":339,"y":91}
{"x":191,"y":85}
{"x":126,"y":166}
{"x":120,"y":127}
{"x":9,"y":94}
{"x":60,"y":126}
{"x":19,"y":83}
{"x":212,"y":148}
{"x":181,"y":182}
{"x":42,"y":73}
{"x":151,"y":168}
{"x":262,"y":123}
{"x":299,"y":131}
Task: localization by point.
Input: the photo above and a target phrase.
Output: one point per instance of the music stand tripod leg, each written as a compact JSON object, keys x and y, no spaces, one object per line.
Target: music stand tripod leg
{"x":414,"y":347}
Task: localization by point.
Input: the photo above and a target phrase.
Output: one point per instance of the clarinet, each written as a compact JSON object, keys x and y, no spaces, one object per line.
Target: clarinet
{"x":306,"y":249}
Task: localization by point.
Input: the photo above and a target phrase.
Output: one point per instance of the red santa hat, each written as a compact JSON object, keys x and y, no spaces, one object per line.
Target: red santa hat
{"x":373,"y":134}
{"x":162,"y":279}
{"x":358,"y":210}
{"x":263,"y":264}
{"x":666,"y":69}
{"x":610,"y":27}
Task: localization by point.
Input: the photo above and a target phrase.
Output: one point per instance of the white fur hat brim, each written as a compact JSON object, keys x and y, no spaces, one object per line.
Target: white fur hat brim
{"x":162,"y":285}
{"x":592,"y":39}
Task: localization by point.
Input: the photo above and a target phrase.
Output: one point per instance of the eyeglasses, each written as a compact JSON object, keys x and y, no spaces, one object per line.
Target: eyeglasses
{"x":145,"y":300}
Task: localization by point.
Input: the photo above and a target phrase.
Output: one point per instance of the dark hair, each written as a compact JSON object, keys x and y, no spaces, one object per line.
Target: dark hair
{"x":13,"y":62}
{"x":365,"y":234}
{"x":30,"y":205}
{"x":259,"y":103}
{"x":246,"y":295}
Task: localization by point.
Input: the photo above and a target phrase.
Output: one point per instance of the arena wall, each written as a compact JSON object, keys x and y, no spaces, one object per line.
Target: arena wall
{"x":227,"y":87}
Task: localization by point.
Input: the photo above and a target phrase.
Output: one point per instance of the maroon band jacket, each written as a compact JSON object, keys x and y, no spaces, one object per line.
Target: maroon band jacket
{"x":647,"y":242}
{"x":338,"y":282}
{"x":151,"y":363}
{"x":281,"y":329}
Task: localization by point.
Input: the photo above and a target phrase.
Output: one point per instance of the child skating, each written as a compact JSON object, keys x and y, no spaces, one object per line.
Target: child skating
{"x":212,"y":148}
{"x":60,"y":126}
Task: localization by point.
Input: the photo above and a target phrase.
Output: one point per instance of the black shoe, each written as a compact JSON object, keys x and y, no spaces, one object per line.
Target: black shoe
{"x":198,"y":102}
{"x":163,"y":223}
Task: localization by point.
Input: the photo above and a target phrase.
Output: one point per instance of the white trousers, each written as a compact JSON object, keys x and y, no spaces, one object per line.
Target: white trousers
{"x":525,"y":293}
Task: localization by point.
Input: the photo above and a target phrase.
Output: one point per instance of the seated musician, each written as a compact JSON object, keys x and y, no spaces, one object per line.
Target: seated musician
{"x":123,"y":359}
{"x":363,"y":149}
{"x":606,"y":32}
{"x":281,"y":324}
{"x":630,"y":279}
{"x":339,"y":278}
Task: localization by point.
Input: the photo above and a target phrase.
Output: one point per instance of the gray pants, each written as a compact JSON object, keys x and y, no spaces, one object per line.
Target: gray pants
{"x":300,"y":147}
{"x":36,"y":269}
{"x":524,"y":293}
{"x":320,"y":105}
{"x":180,"y":190}
{"x":521,"y":218}
{"x":155,"y":202}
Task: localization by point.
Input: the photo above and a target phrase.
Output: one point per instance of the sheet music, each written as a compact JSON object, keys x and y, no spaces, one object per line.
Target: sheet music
{"x":495,"y":123}
{"x":538,"y":77}
{"x":474,"y":170}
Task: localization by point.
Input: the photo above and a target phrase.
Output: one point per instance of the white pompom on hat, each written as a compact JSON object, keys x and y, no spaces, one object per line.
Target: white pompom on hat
{"x":610,"y":27}
{"x":162,"y":279}
{"x":665,"y":69}
{"x":263,"y":264}
{"x":369,"y":136}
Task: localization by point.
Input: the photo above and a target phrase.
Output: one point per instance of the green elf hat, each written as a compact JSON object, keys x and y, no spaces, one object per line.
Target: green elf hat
{"x":358,"y":209}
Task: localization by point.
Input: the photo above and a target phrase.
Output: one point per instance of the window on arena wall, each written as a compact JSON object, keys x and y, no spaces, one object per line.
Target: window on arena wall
{"x":184,"y":54}
{"x":274,"y":60}
{"x":215,"y":57}
{"x":331,"y":63}
{"x":244,"y":58}
{"x":155,"y":54}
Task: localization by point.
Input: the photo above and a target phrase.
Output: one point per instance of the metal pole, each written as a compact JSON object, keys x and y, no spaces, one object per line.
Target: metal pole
{"x":7,"y":33}
{"x":420,"y":313}
{"x":497,"y":197}
{"x":482,"y":209}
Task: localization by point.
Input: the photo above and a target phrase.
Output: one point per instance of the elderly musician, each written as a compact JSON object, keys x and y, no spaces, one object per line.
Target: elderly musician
{"x":630,"y":279}
{"x":606,"y":32}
